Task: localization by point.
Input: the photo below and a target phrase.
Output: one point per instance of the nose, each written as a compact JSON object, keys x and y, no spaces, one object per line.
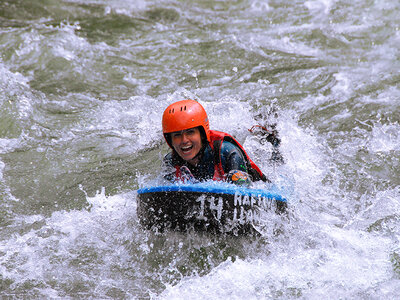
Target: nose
{"x":185,"y":137}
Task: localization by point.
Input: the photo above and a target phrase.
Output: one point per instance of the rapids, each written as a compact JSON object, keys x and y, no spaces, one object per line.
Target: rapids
{"x":83,"y":86}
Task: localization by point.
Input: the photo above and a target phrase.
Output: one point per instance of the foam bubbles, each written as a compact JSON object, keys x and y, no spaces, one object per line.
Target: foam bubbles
{"x":319,"y":5}
{"x":384,"y":138}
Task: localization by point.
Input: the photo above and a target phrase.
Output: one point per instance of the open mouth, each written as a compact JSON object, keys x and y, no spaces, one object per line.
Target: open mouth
{"x":186,"y":149}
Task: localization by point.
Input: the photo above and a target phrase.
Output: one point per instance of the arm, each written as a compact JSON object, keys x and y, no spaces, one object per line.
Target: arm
{"x":168,"y":170}
{"x":234,"y":164}
{"x":232,"y":158}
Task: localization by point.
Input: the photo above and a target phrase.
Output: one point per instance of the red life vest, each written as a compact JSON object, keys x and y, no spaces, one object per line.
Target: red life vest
{"x":217,"y":137}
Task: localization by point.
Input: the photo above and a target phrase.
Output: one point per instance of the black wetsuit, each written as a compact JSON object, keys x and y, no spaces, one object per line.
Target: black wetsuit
{"x":231,"y":159}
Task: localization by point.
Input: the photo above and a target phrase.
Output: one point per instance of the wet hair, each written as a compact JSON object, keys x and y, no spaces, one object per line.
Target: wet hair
{"x":203,"y":136}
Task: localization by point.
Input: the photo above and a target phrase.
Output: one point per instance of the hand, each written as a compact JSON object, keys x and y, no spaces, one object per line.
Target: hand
{"x":238,"y":177}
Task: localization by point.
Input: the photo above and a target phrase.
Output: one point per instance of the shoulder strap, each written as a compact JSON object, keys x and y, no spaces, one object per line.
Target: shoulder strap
{"x":252,"y":168}
{"x":216,"y":149}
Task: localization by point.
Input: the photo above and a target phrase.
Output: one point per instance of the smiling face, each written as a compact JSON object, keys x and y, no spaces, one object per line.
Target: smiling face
{"x":187,"y":143}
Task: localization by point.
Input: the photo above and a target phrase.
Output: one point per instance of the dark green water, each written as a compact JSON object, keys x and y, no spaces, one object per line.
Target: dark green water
{"x":83,"y":86}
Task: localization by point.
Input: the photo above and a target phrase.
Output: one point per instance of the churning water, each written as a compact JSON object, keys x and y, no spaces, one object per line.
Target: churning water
{"x":83,"y":85}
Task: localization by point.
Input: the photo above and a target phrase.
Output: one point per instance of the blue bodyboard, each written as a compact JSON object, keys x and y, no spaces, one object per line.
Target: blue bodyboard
{"x":209,"y":206}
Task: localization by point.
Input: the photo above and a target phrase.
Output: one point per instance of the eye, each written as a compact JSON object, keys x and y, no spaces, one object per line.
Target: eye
{"x":176,"y":135}
{"x":190,"y":131}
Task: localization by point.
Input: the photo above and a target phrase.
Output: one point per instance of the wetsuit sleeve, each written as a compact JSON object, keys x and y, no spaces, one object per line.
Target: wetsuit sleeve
{"x":168,"y":170}
{"x":232,"y":158}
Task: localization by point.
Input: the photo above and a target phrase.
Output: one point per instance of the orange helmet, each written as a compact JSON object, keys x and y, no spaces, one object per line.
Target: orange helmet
{"x":183,"y":115}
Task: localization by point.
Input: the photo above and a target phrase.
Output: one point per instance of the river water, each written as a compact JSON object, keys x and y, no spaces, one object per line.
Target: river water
{"x":83,"y":87}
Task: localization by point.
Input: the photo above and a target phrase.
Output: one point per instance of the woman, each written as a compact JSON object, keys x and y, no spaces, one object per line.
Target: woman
{"x":200,"y":154}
